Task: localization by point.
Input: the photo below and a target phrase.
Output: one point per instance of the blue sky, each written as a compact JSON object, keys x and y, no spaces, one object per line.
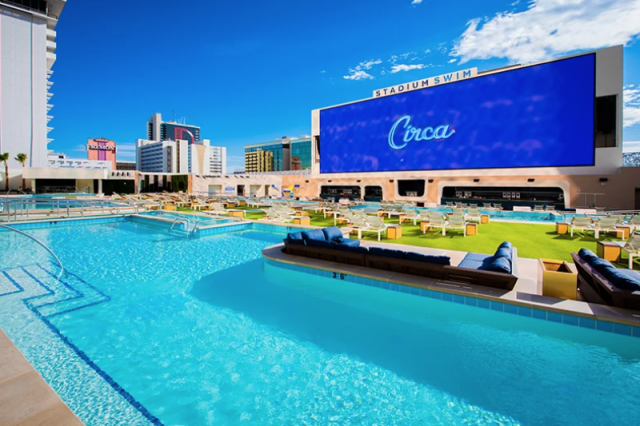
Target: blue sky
{"x":252,"y":71}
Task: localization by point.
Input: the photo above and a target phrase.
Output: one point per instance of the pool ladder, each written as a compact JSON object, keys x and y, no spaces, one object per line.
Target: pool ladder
{"x":187,"y":224}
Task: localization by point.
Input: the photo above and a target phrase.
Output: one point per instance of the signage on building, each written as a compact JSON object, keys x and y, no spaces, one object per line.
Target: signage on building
{"x":102,"y":147}
{"x":427,"y":82}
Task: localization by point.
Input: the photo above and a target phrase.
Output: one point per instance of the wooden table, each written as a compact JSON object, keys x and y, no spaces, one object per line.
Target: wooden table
{"x":425,"y":226}
{"x":626,"y":231}
{"x":609,"y":251}
{"x":484,"y":218}
{"x":394,"y":232}
{"x":299,"y":213}
{"x":302,"y":220}
{"x":472,"y":229}
{"x":562,"y":228}
{"x":558,"y":279}
{"x":236,"y":213}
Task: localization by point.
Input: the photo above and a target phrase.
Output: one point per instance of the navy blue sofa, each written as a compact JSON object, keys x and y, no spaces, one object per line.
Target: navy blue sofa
{"x":601,"y":282}
{"x":327,"y":244}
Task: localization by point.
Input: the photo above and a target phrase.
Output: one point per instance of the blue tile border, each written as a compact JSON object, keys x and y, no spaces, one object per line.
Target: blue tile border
{"x":493,"y":305}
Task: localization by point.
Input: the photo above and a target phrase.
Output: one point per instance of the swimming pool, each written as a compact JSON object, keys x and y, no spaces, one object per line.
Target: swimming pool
{"x":152,"y":328}
{"x":200,"y":220}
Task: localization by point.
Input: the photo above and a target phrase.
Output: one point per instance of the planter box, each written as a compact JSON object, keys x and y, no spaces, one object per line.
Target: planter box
{"x":558,"y":279}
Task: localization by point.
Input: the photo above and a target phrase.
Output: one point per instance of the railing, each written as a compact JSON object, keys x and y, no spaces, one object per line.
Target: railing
{"x":39,"y":242}
{"x":16,"y":208}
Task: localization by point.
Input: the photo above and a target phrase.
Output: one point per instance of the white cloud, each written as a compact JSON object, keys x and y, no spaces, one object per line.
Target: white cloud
{"x":631,"y":146}
{"x":416,"y":2}
{"x":358,"y":75}
{"x":403,"y":67}
{"x":550,"y":28}
{"x":450,"y":61}
{"x":631,"y":99}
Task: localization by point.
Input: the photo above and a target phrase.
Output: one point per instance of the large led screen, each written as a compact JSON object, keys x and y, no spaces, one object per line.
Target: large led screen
{"x":536,"y":116}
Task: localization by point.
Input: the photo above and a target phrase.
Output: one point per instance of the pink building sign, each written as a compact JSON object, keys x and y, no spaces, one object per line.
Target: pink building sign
{"x":103,"y":150}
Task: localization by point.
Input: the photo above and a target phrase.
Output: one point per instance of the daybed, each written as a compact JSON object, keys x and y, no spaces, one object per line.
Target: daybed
{"x":601,"y":282}
{"x":497,"y":271}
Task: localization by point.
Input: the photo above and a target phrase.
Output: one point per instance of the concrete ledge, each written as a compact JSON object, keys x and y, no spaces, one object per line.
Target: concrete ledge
{"x":25,"y":398}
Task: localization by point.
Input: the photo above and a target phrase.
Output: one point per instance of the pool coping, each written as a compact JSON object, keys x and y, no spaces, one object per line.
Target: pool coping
{"x":572,"y":312}
{"x":25,"y":397}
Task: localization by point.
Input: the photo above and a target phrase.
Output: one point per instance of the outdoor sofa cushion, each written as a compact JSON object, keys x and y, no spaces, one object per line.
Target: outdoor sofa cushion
{"x":346,"y":242}
{"x":383,"y":252}
{"x":330,"y":234}
{"x":436,"y":260}
{"x":316,"y":234}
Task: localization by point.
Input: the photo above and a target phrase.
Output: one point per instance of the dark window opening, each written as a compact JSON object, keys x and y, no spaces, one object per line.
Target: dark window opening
{"x":373,"y":193}
{"x":338,"y":192}
{"x":411,"y":188}
{"x":509,"y":197}
{"x":606,"y":135}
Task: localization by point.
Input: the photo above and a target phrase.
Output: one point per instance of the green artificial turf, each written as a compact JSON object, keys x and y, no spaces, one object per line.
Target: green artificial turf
{"x":532,"y":240}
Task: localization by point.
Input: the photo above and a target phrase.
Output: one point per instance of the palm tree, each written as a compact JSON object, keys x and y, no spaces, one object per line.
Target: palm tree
{"x":22,"y":159}
{"x":4,"y":158}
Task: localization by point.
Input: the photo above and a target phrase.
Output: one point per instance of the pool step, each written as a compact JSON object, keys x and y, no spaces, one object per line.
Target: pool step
{"x":46,"y":294}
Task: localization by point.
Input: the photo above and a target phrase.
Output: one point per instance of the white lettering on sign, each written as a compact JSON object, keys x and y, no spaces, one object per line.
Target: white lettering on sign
{"x":102,"y":147}
{"x":417,"y":134}
{"x":427,"y":82}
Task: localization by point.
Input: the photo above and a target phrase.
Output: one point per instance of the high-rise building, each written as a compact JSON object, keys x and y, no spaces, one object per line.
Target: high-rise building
{"x":257,"y":161}
{"x":27,"y":54}
{"x":180,"y":157}
{"x":158,"y":130}
{"x":199,"y":156}
{"x":279,"y":155}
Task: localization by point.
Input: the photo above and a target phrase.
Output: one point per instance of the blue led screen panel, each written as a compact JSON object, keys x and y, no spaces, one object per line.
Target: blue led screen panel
{"x":536,"y":116}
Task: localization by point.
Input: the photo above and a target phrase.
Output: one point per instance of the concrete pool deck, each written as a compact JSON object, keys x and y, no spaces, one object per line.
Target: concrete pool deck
{"x":25,"y":398}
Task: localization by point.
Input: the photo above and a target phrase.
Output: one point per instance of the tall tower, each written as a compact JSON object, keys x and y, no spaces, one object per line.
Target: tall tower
{"x":27,"y":54}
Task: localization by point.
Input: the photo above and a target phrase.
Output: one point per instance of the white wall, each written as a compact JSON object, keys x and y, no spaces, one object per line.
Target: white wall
{"x":23,"y":87}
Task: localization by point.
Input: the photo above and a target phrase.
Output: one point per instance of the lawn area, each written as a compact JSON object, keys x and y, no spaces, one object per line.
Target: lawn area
{"x":532,"y":240}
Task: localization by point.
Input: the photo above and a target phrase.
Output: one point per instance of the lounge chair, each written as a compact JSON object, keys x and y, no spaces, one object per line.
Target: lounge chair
{"x":411,"y":214}
{"x":375,"y":224}
{"x":487,"y":206}
{"x":474,"y":214}
{"x":581,"y":223}
{"x":497,"y":206}
{"x":606,"y":224}
{"x":634,"y":222}
{"x":620,"y":218}
{"x":473,"y":205}
{"x":632,"y":247}
{"x":456,"y":222}
{"x":436,"y":220}
{"x":538,"y":208}
{"x":550,"y":208}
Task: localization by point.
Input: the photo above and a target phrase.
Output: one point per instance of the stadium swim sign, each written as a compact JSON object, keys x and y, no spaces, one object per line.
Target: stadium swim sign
{"x":427,"y":82}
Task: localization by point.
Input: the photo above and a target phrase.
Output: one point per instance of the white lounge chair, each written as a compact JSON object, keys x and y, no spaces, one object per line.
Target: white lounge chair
{"x":606,"y":224}
{"x":581,"y":223}
{"x":456,"y":222}
{"x":436,"y":220}
{"x":632,"y":247}
{"x":411,"y":214}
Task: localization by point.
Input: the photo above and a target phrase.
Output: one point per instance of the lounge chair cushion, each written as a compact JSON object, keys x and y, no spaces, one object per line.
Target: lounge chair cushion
{"x":390,"y":253}
{"x":474,"y":260}
{"x":346,"y":242}
{"x":316,"y":235}
{"x":436,"y":260}
{"x":295,"y":236}
{"x":624,"y":279}
{"x":497,"y":264}
{"x":330,"y":234}
{"x":294,"y":242}
{"x":587,"y":255}
{"x":320,"y":244}
{"x":352,"y":249}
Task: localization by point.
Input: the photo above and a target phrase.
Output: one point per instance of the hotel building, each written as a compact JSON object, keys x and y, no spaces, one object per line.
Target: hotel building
{"x":518,"y":136}
{"x":279,"y":155}
{"x":27,"y":54}
{"x":180,"y":157}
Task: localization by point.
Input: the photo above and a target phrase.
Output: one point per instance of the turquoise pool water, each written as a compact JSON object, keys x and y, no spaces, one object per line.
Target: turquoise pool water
{"x":153,"y":328}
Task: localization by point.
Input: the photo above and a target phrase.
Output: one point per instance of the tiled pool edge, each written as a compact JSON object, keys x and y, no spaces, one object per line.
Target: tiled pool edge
{"x":501,"y":305}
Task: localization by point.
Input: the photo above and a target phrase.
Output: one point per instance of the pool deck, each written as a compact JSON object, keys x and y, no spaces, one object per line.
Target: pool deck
{"x":526,"y":293}
{"x":25,"y":398}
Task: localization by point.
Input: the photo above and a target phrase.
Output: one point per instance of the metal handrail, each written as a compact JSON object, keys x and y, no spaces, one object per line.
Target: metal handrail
{"x":180,"y":219}
{"x":39,"y":242}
